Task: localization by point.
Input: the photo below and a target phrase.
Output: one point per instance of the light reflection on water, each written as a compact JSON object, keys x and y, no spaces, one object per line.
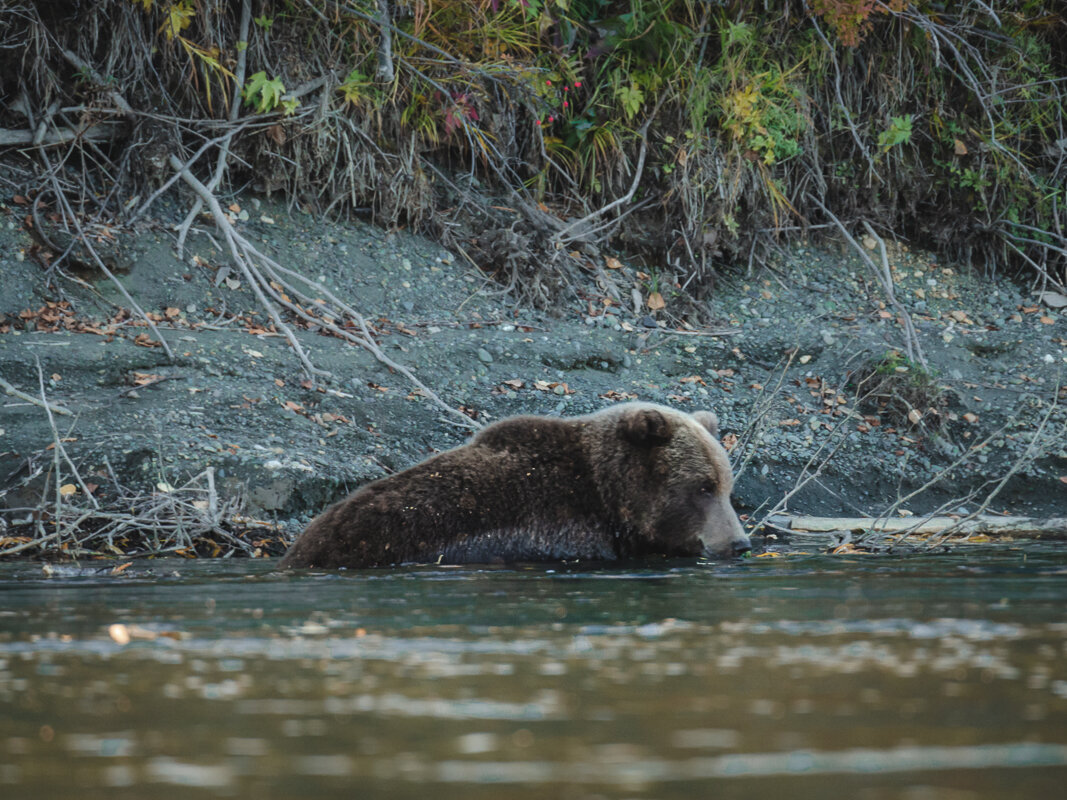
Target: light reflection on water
{"x":919,"y":677}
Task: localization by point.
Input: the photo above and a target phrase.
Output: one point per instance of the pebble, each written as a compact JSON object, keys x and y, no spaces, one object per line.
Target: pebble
{"x":484,"y":355}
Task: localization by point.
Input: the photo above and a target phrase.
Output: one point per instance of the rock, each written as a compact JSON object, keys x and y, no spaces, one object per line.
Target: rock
{"x":485,"y":356}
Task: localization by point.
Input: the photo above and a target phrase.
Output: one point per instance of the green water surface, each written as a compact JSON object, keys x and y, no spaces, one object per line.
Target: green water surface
{"x":805,"y":676}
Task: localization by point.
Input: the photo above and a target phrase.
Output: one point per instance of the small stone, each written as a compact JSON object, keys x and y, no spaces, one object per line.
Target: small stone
{"x":484,"y":355}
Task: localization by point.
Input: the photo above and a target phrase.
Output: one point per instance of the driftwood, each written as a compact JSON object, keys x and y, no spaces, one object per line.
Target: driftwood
{"x":97,"y":132}
{"x":1023,"y":527}
{"x":29,"y":398}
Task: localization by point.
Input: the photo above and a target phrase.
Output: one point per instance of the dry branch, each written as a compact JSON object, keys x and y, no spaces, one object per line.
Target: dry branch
{"x":884,"y":278}
{"x":1029,"y":527}
{"x":29,"y":398}
{"x":97,"y":132}
{"x":260,"y":271}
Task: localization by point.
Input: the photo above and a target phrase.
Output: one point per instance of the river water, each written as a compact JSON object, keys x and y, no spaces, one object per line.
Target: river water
{"x":804,"y":676}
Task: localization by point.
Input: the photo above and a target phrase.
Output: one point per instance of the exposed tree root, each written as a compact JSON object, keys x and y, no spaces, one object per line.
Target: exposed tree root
{"x":273,"y":284}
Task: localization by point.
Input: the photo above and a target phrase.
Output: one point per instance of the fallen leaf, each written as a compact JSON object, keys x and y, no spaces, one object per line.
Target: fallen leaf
{"x":514,"y":383}
{"x":1047,"y":321}
{"x":612,"y":263}
{"x":164,"y":487}
{"x":971,"y":418}
{"x":729,"y":441}
{"x":67,"y":489}
{"x":144,"y":378}
{"x":769,"y":555}
{"x":235,"y":208}
{"x":121,"y":568}
{"x":655,"y":301}
{"x":119,"y":633}
{"x":805,"y":359}
{"x":915,"y":416}
{"x":959,"y":148}
{"x":1063,"y":478}
{"x":279,"y":382}
{"x":789,"y":422}
{"x":293,"y":406}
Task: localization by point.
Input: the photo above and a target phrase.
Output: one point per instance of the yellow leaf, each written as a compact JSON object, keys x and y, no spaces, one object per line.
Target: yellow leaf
{"x":769,"y":555}
{"x":179,"y":17}
{"x":612,"y":263}
{"x":959,"y":147}
{"x":67,"y":489}
{"x":655,"y":301}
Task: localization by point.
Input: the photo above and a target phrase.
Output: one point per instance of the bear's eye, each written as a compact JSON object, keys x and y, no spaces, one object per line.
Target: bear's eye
{"x":707,"y":487}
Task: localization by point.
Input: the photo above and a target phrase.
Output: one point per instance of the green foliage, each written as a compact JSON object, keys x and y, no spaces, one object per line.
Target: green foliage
{"x":898,"y":132}
{"x":946,"y":127}
{"x":356,"y":88}
{"x":631,"y":98}
{"x":262,"y":93}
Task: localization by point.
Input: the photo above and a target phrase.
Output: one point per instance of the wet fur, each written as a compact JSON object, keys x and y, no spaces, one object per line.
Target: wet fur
{"x":619,"y":483}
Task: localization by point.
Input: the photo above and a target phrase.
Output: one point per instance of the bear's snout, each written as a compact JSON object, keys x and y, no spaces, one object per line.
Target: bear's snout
{"x":723,"y":535}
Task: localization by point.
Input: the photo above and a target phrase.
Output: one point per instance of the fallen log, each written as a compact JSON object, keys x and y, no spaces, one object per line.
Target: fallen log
{"x":1022,"y":527}
{"x":98,"y":132}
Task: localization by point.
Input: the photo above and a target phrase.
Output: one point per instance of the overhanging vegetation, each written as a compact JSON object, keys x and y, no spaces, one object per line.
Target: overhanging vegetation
{"x":519,"y":131}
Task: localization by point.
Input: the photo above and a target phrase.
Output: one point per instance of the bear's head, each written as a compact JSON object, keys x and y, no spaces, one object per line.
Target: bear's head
{"x":669,"y":477}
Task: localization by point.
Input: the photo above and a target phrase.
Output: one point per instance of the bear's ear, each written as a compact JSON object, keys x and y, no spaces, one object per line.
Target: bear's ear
{"x":647,"y":427}
{"x":709,"y":421}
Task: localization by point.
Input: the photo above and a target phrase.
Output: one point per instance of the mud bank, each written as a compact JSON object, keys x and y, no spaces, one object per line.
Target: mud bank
{"x":235,"y":399}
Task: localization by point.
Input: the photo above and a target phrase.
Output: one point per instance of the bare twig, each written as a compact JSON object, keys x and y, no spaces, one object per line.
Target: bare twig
{"x":242,"y":263}
{"x":247,"y":257}
{"x":560,"y":236}
{"x":224,"y":144}
{"x":21,"y":395}
{"x":60,"y":450}
{"x":884,"y":277}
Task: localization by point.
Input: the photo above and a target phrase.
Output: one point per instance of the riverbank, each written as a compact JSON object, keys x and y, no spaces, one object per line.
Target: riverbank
{"x":801,"y":358}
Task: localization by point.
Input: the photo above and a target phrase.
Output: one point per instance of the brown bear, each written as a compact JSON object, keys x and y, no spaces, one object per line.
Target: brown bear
{"x":632,"y":480}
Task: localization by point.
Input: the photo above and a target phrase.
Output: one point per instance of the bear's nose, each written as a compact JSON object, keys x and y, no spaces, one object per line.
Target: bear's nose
{"x":741,"y":547}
